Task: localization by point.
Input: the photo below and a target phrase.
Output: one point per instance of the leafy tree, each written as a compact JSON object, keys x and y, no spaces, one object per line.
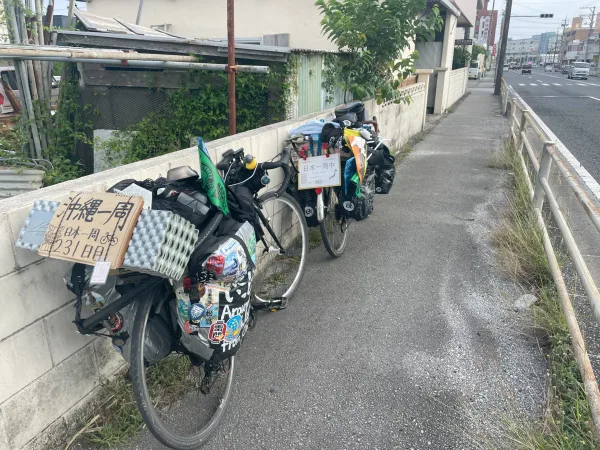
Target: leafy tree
{"x":375,"y":35}
{"x":461,"y":57}
{"x":478,"y":50}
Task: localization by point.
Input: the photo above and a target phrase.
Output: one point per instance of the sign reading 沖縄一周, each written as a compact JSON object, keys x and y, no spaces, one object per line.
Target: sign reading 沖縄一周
{"x":92,"y":227}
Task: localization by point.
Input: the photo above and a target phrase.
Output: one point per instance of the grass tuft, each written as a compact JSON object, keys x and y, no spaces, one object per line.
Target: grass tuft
{"x":567,"y":423}
{"x":116,"y":420}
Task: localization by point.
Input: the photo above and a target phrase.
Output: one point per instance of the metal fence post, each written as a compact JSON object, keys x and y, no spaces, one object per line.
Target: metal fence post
{"x":544,"y":172}
{"x":522,"y":126}
{"x":505,"y":103}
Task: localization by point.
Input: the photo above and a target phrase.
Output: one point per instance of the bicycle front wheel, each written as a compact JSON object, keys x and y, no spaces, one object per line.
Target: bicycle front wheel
{"x":281,"y":262}
{"x":334,"y":227}
{"x":182,"y":404}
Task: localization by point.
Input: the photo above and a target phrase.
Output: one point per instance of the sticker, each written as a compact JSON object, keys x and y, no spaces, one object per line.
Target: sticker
{"x":183,"y":309}
{"x":100,"y":273}
{"x":217,"y":332}
{"x":210,"y":317}
{"x":196,"y":312}
{"x":190,"y":328}
{"x":234,"y":326}
{"x":216,"y":264}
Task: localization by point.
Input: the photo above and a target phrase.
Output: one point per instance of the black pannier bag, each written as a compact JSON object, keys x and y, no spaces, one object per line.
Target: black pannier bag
{"x":384,"y":164}
{"x":353,"y":112}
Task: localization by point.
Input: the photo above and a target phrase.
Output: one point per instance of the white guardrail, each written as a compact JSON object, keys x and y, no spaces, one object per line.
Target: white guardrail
{"x":587,"y":191}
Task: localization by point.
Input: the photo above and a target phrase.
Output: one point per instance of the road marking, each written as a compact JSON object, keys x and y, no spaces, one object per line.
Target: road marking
{"x":594,"y":98}
{"x":521,"y":84}
{"x":533,"y":84}
{"x":557,"y":84}
{"x":580,"y":84}
{"x":545,"y":84}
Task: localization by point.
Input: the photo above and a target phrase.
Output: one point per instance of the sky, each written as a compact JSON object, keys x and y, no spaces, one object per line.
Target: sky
{"x":526,"y":26}
{"x":61,"y":7}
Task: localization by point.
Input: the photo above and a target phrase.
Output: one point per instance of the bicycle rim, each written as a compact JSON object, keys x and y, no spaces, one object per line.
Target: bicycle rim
{"x":163,"y":390}
{"x":279,"y":274}
{"x":334,"y":227}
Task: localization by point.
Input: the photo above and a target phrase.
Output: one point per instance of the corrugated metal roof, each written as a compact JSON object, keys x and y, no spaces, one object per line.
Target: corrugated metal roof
{"x":110,"y":32}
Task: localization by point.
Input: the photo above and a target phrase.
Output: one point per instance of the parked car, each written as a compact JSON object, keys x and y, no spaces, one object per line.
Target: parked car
{"x":474,"y":71}
{"x":526,"y":69}
{"x":548,"y":68}
{"x":579,"y":69}
{"x":506,"y":67}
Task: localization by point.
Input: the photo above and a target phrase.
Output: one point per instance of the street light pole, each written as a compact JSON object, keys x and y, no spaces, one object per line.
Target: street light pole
{"x":500,"y":64}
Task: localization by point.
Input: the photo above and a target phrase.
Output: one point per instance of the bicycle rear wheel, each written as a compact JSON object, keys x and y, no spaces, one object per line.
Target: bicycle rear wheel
{"x":334,"y":227}
{"x":280,"y":270}
{"x":173,"y":384}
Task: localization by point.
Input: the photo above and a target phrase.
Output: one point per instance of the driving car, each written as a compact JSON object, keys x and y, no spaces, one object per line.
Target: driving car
{"x":526,"y":69}
{"x":579,"y":69}
{"x":548,"y":68}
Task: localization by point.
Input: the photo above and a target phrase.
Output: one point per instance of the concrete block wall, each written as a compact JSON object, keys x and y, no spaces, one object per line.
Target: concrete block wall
{"x":458,"y":85}
{"x":48,"y":372}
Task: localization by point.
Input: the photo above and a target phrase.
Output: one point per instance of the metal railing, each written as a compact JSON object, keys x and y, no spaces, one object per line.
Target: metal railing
{"x":585,"y":189}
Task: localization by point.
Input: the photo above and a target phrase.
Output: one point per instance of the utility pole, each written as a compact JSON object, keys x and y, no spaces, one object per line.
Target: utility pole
{"x":500,"y":63}
{"x":591,"y":16}
{"x":562,"y":38}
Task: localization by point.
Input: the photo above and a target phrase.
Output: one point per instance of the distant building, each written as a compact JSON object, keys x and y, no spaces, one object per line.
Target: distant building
{"x":575,"y":45}
{"x":485,"y":26}
{"x":523,"y":50}
{"x":547,"y":42}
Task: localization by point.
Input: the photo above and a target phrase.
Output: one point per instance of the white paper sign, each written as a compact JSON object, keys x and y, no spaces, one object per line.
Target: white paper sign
{"x":319,"y":172}
{"x":134,"y":190}
{"x":100,"y":273}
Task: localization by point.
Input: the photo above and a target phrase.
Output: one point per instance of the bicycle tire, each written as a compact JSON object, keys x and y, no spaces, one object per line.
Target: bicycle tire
{"x":142,"y":395}
{"x":328,"y":241}
{"x":288,"y":200}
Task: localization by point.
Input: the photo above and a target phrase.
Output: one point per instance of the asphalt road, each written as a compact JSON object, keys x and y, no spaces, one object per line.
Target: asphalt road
{"x":570,"y":108}
{"x":408,"y":341}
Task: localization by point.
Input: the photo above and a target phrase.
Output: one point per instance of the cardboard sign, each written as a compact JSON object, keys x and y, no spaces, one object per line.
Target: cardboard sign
{"x":319,"y":172}
{"x":92,"y":227}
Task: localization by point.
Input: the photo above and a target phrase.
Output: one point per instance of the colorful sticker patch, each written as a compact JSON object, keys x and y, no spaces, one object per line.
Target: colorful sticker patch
{"x":217,"y":332}
{"x":210,"y":317}
{"x":234,"y":327}
{"x":196,"y":312}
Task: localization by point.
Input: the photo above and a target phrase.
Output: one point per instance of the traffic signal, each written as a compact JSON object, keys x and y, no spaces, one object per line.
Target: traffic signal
{"x":546,"y":16}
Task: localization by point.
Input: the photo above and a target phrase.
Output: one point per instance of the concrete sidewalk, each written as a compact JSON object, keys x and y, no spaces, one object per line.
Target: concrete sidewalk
{"x":410,"y":339}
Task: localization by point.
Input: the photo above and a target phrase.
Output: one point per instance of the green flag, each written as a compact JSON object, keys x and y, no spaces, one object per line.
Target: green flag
{"x":211,"y":183}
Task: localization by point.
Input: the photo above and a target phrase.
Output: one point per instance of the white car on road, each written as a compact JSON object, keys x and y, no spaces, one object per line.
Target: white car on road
{"x":579,"y":70}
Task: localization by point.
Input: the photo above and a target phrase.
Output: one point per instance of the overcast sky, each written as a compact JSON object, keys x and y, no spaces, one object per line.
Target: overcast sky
{"x":526,"y":26}
{"x":61,"y":7}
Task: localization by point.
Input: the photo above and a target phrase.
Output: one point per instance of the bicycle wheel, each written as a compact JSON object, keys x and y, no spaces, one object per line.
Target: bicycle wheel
{"x":172,"y":385}
{"x":279,"y":272}
{"x":334,"y":227}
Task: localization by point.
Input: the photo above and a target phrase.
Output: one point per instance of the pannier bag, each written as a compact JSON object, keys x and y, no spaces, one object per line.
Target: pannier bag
{"x":214,"y":324}
{"x":353,"y":112}
{"x":385,"y":169}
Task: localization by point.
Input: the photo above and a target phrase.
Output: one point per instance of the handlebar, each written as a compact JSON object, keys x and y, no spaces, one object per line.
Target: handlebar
{"x":283,"y":163}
